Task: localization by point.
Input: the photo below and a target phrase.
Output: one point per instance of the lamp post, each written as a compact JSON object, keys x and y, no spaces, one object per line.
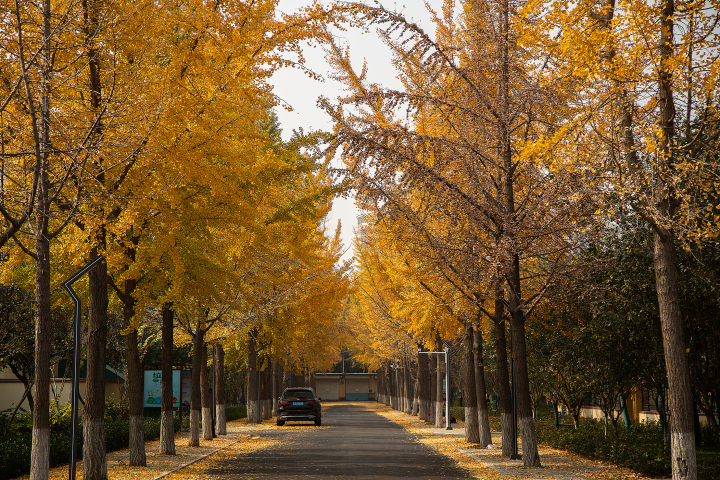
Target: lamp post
{"x":76,"y":361}
{"x":447,"y":383}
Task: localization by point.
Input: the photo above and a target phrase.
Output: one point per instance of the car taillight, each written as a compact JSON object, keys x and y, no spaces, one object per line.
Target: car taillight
{"x":284,"y":402}
{"x":312,"y":402}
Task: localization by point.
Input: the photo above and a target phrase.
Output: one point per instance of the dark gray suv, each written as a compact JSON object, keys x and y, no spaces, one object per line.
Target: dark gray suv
{"x":299,"y":404}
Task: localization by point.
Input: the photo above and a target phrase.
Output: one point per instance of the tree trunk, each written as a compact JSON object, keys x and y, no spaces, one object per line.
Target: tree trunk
{"x":531,"y":457}
{"x":386,"y":385}
{"x":265,"y":393}
{"x":135,"y":401}
{"x":432,"y":363}
{"x":575,"y":414}
{"x":40,"y":454}
{"x":276,"y":386}
{"x":483,"y":417}
{"x":440,"y":372}
{"x":503,"y":379}
{"x":205,"y":395}
{"x":416,"y":399}
{"x":380,"y":385}
{"x":196,"y":386}
{"x":406,"y":388}
{"x":94,"y":463}
{"x":403,"y":372}
{"x":423,"y":386}
{"x":252,"y":388}
{"x":221,"y":422}
{"x":286,"y":380}
{"x":682,"y":446}
{"x":472,"y":428}
{"x":684,"y":462}
{"x":391,"y":386}
{"x":167,"y":428}
{"x":400,"y":388}
{"x":135,"y":380}
{"x":512,"y":273}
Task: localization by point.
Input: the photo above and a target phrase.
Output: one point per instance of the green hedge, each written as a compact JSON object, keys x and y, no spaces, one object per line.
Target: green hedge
{"x":15,"y":447}
{"x":458,"y":413}
{"x":639,"y":448}
{"x":235,"y":412}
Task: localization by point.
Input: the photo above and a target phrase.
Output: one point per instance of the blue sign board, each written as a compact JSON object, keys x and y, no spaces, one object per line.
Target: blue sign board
{"x":152,"y":384}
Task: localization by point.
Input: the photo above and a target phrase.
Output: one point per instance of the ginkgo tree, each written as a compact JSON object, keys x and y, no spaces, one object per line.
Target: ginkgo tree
{"x":62,"y":133}
{"x":472,"y":106}
{"x":639,"y":69}
{"x":178,"y":91}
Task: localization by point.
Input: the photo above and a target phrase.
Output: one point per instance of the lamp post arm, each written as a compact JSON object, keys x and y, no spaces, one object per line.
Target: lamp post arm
{"x":67,"y":284}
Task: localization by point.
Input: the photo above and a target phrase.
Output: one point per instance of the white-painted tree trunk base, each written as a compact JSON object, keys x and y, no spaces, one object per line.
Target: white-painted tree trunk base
{"x":507,"y":434}
{"x":207,"y":423}
{"x":684,"y":466}
{"x":484,"y":427}
{"x":40,"y":454}
{"x":472,"y":427}
{"x":137,"y":442}
{"x":531,"y":457}
{"x":94,"y":460}
{"x":221,"y":422}
{"x":167,"y":433}
{"x":194,"y":440}
{"x":439,"y":415}
{"x":251,"y":411}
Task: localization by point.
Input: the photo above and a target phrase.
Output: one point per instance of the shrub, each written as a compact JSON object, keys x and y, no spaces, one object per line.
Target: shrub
{"x":22,"y":423}
{"x":15,"y":447}
{"x":117,"y":409}
{"x":458,"y":413}
{"x":235,"y":412}
{"x":15,"y":455}
{"x":639,"y":448}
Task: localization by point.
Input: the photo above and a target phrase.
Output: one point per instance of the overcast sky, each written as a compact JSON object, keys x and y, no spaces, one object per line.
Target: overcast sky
{"x":301,"y":92}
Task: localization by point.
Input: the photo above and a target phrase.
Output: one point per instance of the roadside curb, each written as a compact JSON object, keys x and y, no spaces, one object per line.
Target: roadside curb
{"x":169,"y":472}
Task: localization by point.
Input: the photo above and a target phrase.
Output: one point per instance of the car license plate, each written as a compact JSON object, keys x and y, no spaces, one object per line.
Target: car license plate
{"x":298,"y":403}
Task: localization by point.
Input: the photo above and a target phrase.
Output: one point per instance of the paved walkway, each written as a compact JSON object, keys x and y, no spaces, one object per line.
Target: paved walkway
{"x":355,"y":441}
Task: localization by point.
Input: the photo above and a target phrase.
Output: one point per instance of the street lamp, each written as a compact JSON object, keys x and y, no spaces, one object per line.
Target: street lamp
{"x":447,"y":383}
{"x":76,"y":362}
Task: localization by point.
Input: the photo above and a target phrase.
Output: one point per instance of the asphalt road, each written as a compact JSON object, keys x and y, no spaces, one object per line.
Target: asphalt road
{"x":353,"y":442}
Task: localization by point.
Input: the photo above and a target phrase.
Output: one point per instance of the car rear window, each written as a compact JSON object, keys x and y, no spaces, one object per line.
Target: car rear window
{"x":298,"y":394}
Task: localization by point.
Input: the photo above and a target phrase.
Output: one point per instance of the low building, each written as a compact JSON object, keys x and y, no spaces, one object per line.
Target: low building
{"x":640,"y":405}
{"x":12,"y":389}
{"x":346,"y":386}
